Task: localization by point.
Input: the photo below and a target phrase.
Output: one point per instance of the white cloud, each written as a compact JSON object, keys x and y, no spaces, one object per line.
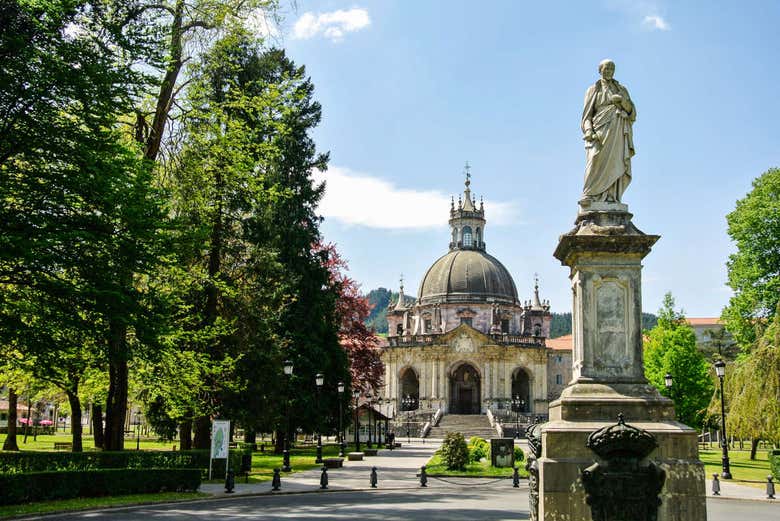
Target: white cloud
{"x":333,"y":25}
{"x":656,"y":22}
{"x":358,"y":199}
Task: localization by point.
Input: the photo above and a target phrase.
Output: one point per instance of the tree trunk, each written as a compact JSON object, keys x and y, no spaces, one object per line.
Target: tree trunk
{"x":75,"y":421}
{"x":250,"y":437}
{"x":202,"y":432}
{"x":279,"y":442}
{"x":753,"y":448}
{"x":10,"y":439}
{"x":185,"y":435}
{"x":116,"y":408}
{"x":27,"y":423}
{"x":97,"y":424}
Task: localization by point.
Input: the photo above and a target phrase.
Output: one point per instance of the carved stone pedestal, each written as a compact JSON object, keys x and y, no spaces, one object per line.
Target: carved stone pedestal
{"x":604,"y":252}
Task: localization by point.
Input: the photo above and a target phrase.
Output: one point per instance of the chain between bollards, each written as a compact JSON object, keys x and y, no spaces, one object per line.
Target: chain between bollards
{"x":423,"y":477}
{"x":276,"y":483}
{"x":374,"y":479}
{"x":715,"y":485}
{"x":770,"y":487}
{"x":324,"y":478}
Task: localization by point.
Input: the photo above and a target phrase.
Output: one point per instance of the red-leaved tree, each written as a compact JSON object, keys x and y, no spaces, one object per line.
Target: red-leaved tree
{"x":358,"y":340}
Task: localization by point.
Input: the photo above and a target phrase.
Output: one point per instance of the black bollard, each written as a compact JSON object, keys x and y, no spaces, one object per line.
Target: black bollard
{"x":715,"y":485}
{"x":230,"y":482}
{"x":276,"y":483}
{"x":373,"y":478}
{"x":770,"y":488}
{"x":516,"y":478}
{"x":324,"y":478}
{"x":423,"y":477}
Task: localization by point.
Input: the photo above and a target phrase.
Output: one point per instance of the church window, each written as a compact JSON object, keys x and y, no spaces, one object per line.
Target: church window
{"x":559,"y":359}
{"x":479,"y":236}
{"x":467,"y":238}
{"x":465,"y":320}
{"x":538,"y":330}
{"x":558,"y":379}
{"x":399,"y":329}
{"x":505,"y":326}
{"x":428,"y":325}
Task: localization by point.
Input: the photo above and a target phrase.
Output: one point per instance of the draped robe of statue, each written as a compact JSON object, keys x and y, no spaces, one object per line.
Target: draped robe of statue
{"x":608,"y":156}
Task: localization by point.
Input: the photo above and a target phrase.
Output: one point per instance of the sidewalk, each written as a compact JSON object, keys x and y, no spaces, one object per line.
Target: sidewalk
{"x":396,"y":469}
{"x":735,"y":490}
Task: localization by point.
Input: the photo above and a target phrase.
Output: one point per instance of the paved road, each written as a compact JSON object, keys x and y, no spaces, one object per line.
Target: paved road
{"x":450,"y":503}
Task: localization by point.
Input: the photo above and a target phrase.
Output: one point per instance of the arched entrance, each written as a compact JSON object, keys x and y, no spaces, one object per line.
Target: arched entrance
{"x":521,"y":388}
{"x":410,"y":386}
{"x":465,"y":390}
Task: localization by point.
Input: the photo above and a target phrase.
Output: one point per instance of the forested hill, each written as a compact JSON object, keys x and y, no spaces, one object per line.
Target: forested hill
{"x":380,"y":299}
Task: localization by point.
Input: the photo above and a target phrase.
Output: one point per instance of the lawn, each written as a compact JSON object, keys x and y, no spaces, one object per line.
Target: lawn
{"x":435,"y":466}
{"x":46,"y":442}
{"x":67,"y":505}
{"x":742,"y":469}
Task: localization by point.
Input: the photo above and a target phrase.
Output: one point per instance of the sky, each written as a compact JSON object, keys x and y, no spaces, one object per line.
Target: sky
{"x":411,"y":90}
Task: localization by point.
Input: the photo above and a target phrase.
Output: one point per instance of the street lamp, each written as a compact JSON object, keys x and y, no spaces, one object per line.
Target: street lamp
{"x":369,"y":400}
{"x":138,"y":430}
{"x":320,"y":381}
{"x":341,"y":419}
{"x":356,"y":396}
{"x":288,"y":371}
{"x":668,"y":381}
{"x":408,"y":404}
{"x":720,"y":370}
{"x":378,"y":426}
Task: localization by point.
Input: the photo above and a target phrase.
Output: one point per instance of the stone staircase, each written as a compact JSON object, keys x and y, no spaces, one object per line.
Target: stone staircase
{"x":467,"y":424}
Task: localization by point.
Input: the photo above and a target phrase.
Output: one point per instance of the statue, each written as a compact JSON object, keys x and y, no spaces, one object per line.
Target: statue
{"x":609,"y":145}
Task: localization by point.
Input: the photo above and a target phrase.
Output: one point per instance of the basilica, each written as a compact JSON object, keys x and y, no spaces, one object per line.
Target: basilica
{"x":468,"y":343}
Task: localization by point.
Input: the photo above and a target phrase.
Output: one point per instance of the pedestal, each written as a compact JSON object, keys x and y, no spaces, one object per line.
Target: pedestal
{"x":604,"y":252}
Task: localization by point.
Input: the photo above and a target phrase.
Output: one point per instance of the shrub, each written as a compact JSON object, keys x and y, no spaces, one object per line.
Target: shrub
{"x":519,"y":455}
{"x":478,"y":449}
{"x":774,"y":463}
{"x":39,"y":486}
{"x":454,"y":451}
{"x":29,"y":461}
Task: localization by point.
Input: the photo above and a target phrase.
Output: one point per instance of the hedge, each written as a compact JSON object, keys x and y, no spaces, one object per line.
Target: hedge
{"x":39,"y":461}
{"x":39,"y":486}
{"x":774,"y":463}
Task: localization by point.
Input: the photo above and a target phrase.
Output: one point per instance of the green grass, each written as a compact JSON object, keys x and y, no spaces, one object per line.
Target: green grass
{"x":46,"y":442}
{"x":742,"y":468}
{"x":67,"y":505}
{"x":435,"y":466}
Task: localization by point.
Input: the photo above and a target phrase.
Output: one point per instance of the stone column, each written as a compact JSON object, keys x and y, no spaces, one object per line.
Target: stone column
{"x":604,"y":253}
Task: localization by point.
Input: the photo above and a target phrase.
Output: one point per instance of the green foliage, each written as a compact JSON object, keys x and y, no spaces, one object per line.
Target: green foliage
{"x":519,"y":454}
{"x":381,"y":299}
{"x":671,"y":348}
{"x":774,"y":463}
{"x":454,"y":451}
{"x":30,"y":461}
{"x":478,"y":448}
{"x":754,"y":270}
{"x":561,"y":323}
{"x":38,"y":486}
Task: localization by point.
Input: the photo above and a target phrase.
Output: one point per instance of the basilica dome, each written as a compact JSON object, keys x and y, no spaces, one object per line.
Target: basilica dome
{"x":464,"y":275}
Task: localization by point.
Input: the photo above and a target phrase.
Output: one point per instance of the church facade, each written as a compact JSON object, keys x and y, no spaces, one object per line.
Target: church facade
{"x":468,"y":343}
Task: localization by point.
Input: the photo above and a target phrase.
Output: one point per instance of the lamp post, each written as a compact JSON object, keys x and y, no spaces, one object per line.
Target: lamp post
{"x":288,"y":371}
{"x":356,"y":396}
{"x":341,"y":419}
{"x":720,"y":370}
{"x":516,"y":406}
{"x":408,"y":403}
{"x":320,"y":381}
{"x":369,"y":401}
{"x":138,"y":430}
{"x":378,"y":426}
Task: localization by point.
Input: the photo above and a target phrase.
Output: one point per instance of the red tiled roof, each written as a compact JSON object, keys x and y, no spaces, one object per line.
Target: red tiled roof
{"x":561,"y":343}
{"x":704,"y":321}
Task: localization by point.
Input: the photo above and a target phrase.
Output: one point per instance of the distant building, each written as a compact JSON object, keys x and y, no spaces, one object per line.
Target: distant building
{"x":468,"y":343}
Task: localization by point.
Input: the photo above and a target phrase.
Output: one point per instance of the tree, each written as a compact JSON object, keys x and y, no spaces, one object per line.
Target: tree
{"x":752,"y":383}
{"x":754,"y":270}
{"x":671,"y":348}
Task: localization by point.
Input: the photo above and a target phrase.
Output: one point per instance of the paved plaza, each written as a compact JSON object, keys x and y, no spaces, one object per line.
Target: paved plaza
{"x":398,"y":497}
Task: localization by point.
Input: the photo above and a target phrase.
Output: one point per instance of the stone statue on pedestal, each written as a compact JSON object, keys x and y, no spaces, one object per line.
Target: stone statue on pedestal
{"x":607,"y":119}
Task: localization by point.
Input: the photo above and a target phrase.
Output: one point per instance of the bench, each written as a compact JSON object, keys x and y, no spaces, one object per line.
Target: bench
{"x":370,"y":452}
{"x":63,"y":445}
{"x":333,"y":463}
{"x":355,"y":456}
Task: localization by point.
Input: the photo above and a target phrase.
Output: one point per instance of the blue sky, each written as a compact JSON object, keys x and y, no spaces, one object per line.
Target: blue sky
{"x":412,"y":90}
